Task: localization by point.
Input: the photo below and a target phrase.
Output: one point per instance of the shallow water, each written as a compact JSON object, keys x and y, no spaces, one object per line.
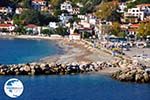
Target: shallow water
{"x":22,"y":51}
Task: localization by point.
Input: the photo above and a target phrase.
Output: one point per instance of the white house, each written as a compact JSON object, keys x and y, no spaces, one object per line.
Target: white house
{"x":19,"y":10}
{"x":91,"y":19}
{"x":4,"y":10}
{"x":85,"y":24}
{"x":67,"y":6}
{"x":38,"y":4}
{"x":53,"y":25}
{"x":65,"y":18}
{"x":33,"y":29}
{"x":122,"y":6}
{"x":136,"y":12}
{"x":74,"y":35}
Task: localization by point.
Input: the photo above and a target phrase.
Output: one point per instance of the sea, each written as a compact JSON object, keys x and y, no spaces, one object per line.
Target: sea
{"x":62,"y":87}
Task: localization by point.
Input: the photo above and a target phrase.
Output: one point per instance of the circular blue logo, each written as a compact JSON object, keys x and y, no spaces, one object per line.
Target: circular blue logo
{"x":13,"y":88}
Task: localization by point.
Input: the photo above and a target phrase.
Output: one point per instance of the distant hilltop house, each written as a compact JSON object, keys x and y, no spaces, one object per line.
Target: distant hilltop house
{"x":122,"y":6}
{"x":5,"y":10}
{"x":39,"y":4}
{"x":18,"y":10}
{"x":138,"y":13}
{"x":66,"y":6}
{"x":145,"y":8}
{"x":33,"y":29}
{"x":64,"y":17}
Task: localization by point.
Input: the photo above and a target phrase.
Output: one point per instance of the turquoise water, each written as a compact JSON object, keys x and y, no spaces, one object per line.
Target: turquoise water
{"x":69,"y":87}
{"x":23,"y":51}
{"x":77,"y":87}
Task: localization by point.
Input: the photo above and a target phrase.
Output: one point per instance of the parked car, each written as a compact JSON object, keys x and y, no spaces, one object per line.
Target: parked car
{"x":141,"y":44}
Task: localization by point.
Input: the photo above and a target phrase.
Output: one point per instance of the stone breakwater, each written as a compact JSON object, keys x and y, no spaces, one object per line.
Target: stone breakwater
{"x":133,"y":73}
{"x":51,"y":69}
{"x":129,"y":71}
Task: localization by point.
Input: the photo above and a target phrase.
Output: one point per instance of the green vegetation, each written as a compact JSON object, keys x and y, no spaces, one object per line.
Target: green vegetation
{"x":107,"y":11}
{"x":34,"y":17}
{"x":143,"y":30}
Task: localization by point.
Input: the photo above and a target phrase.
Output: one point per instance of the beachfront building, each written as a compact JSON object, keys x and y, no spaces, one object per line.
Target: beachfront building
{"x":67,"y":6}
{"x":7,"y":27}
{"x":33,"y":29}
{"x":74,"y":35}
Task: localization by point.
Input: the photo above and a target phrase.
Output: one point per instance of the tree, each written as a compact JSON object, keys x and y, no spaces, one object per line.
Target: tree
{"x":26,"y":3}
{"x":34,"y":17}
{"x":20,"y":29}
{"x":143,"y":30}
{"x":47,"y":32}
{"x":61,"y":31}
{"x":115,"y":28}
{"x":105,"y":10}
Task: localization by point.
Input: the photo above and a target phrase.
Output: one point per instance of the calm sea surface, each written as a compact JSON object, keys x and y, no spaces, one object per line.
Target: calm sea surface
{"x":69,"y":87}
{"x":23,"y":51}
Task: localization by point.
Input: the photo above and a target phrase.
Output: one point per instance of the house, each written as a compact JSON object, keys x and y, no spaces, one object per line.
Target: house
{"x":33,"y":29}
{"x":67,"y":6}
{"x":85,"y":24}
{"x":19,"y":10}
{"x":53,"y":25}
{"x":145,"y":8}
{"x":91,"y":19}
{"x":64,"y":17}
{"x":75,"y":10}
{"x":132,"y":30}
{"x":9,"y":22}
{"x":122,"y":6}
{"x":135,"y":12}
{"x":74,"y":35}
{"x":3,"y":10}
{"x":39,"y":4}
{"x":7,"y":27}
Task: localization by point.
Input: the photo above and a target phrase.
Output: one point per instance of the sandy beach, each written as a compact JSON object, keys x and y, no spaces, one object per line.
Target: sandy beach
{"x":78,"y":52}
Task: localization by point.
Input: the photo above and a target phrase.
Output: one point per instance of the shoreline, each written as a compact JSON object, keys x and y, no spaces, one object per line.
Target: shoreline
{"x":73,"y":51}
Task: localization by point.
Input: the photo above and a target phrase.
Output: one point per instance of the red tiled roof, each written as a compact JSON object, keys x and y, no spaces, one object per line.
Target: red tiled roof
{"x":134,"y":25}
{"x":6,"y":25}
{"x":140,"y":5}
{"x":31,"y":26}
{"x":38,"y":0}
